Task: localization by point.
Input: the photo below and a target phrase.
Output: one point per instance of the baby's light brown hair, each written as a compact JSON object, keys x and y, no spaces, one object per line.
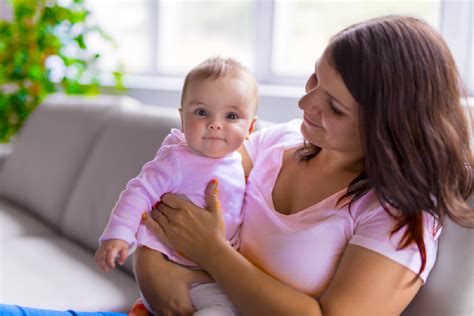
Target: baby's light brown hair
{"x":217,"y":67}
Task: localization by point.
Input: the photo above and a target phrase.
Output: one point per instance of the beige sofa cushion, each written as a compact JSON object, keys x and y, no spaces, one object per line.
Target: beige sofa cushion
{"x":128,"y":141}
{"x":15,"y":222}
{"x":51,"y":150}
{"x":54,"y":273}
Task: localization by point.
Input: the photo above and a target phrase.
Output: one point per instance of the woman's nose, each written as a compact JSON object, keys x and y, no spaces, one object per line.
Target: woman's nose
{"x":310,"y":102}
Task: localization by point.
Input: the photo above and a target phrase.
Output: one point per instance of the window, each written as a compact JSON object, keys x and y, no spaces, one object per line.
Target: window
{"x":190,"y":31}
{"x":302,"y":29}
{"x":278,"y":39}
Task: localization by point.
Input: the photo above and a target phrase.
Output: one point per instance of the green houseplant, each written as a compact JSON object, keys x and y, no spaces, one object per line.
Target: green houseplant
{"x":42,"y":36}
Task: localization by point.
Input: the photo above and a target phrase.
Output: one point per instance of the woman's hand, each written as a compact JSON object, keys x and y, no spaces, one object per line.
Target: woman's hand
{"x":191,"y":231}
{"x":165,"y":285}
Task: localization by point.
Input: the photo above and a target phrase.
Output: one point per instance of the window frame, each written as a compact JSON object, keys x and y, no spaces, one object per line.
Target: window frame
{"x":457,"y":27}
{"x":278,"y":94}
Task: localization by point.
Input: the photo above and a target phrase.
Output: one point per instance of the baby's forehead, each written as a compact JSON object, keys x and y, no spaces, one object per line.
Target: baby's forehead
{"x":231,"y":74}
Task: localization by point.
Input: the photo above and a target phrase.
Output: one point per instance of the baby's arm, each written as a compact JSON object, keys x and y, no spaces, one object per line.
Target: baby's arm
{"x":141,"y":193}
{"x":108,"y":251}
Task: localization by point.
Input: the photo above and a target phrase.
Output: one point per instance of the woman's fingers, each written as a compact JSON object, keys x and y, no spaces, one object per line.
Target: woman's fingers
{"x":168,"y":214}
{"x":212,"y":196}
{"x":174,"y":201}
{"x":213,"y":203}
{"x":154,"y":226}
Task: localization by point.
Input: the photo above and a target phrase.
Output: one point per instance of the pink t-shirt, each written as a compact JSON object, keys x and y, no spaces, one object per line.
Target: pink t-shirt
{"x":303,"y":249}
{"x":177,"y":169}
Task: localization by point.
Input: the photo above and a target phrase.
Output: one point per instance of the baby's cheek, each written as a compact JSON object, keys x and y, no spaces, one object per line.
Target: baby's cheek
{"x":238,"y":137}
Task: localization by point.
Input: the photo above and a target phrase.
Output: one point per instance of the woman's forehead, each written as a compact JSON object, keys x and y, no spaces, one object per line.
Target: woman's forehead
{"x":332,"y":82}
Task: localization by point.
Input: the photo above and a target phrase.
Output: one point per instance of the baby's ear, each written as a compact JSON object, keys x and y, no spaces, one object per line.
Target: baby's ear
{"x":180,"y":110}
{"x":252,"y":125}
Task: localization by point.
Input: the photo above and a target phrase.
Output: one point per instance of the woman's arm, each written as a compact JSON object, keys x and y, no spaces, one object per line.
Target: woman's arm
{"x":366,"y":283}
{"x":164,"y":284}
{"x":251,"y":290}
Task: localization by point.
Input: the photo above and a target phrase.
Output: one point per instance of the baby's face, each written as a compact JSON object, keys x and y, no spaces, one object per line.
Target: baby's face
{"x":217,"y":115}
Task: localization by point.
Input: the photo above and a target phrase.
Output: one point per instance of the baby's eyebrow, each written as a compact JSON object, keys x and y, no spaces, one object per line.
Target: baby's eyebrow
{"x":195,"y":103}
{"x":235,"y":107}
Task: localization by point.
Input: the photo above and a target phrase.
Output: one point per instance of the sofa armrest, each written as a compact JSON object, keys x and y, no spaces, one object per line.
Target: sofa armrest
{"x":5,"y":151}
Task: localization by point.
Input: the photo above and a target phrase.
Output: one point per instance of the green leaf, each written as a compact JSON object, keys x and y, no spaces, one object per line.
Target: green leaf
{"x":80,"y":41}
{"x":36,"y":72}
{"x":41,"y":28}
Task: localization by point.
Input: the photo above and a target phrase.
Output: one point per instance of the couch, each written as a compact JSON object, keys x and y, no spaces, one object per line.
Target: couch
{"x":60,"y":178}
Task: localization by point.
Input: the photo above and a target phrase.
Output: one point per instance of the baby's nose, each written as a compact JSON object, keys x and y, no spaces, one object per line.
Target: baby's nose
{"x":215,"y":125}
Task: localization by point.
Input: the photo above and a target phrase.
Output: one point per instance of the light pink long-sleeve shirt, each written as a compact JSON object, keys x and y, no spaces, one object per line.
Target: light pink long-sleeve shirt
{"x":176,"y":168}
{"x":304,"y":249}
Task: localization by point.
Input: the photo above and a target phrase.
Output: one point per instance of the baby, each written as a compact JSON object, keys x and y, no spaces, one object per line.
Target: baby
{"x":218,"y":106}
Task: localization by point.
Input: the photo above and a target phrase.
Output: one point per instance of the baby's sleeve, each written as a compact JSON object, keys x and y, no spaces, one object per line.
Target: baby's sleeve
{"x":267,"y":137}
{"x":159,"y":176}
{"x":373,"y":231}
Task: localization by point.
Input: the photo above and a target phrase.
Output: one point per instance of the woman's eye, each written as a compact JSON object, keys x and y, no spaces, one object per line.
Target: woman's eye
{"x":200,"y":112}
{"x":334,"y":108}
{"x":231,"y":116}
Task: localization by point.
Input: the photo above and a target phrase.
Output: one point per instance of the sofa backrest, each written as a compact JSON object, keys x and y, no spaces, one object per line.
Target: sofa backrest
{"x":50,"y":150}
{"x":128,"y":141}
{"x":449,"y":289}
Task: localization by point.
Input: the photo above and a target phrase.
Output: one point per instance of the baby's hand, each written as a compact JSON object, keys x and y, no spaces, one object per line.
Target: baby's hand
{"x":108,"y":251}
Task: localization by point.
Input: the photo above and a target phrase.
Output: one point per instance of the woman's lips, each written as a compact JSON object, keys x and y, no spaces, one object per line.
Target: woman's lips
{"x":310,"y":122}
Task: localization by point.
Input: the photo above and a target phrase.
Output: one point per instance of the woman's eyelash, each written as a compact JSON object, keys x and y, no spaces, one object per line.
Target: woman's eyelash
{"x":334,"y":108}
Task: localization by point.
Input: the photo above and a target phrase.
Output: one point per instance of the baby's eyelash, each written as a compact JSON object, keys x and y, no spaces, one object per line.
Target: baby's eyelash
{"x":200,"y":112}
{"x":235,"y":116}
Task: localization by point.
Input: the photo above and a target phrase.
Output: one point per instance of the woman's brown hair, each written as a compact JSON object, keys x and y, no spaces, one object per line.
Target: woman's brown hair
{"x":414,"y":131}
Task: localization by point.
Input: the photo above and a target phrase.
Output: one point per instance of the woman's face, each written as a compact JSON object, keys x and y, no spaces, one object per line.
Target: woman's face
{"x":331,"y":119}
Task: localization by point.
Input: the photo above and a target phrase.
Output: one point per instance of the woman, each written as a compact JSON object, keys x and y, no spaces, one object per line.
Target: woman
{"x":342,"y":211}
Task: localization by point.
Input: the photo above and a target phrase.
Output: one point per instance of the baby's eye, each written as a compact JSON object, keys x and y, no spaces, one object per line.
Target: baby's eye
{"x":231,"y":116}
{"x":200,"y":112}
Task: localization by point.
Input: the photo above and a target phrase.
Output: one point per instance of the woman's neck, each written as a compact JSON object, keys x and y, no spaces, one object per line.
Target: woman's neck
{"x":336,"y":161}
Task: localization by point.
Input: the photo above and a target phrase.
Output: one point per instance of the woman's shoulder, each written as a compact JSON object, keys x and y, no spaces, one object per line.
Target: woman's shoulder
{"x":374,"y":229}
{"x":267,"y":136}
{"x":368,"y":210}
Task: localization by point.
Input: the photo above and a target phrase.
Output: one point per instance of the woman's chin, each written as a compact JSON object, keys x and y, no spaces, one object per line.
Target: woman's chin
{"x":308,"y":135}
